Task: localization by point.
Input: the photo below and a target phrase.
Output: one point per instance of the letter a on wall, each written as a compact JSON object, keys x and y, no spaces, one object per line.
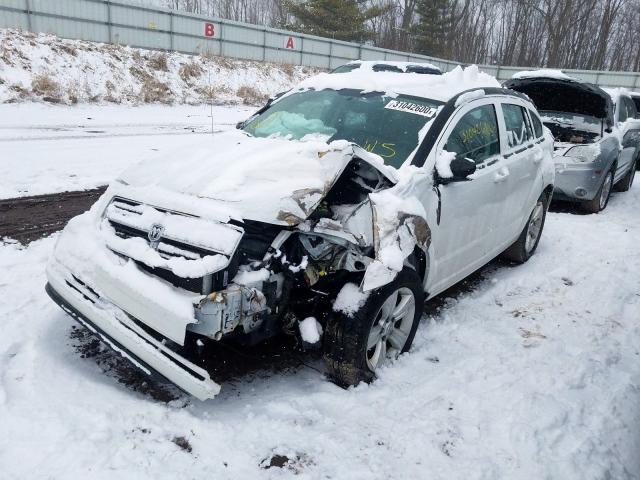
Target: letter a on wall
{"x":289,"y":43}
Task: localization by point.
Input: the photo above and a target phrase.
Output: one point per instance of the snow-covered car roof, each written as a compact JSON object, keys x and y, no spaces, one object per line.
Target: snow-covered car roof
{"x":616,"y":93}
{"x":386,"y":66}
{"x":543,"y":73}
{"x":436,"y":87}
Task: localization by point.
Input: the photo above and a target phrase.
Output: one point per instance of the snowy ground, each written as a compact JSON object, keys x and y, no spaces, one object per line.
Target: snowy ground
{"x":48,"y":149}
{"x":530,"y":372}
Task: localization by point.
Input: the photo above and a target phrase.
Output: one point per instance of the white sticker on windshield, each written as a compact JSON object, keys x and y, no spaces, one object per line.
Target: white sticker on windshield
{"x":409,"y":107}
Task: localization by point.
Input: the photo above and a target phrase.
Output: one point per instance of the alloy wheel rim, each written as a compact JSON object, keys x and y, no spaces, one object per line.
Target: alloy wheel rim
{"x":606,"y":190}
{"x":535,"y":227}
{"x":391,"y":328}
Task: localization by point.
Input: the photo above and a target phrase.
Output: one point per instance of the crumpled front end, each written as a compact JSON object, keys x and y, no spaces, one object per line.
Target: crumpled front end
{"x":158,"y":273}
{"x":138,"y":292}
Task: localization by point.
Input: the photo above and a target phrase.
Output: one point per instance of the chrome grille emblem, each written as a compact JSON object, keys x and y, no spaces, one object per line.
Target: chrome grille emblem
{"x":155,"y":234}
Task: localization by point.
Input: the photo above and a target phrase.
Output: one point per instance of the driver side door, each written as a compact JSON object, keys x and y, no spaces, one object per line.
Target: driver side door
{"x":468,"y":220}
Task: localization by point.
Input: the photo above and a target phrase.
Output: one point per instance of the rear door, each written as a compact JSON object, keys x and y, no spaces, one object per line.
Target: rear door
{"x":521,"y":164}
{"x":625,"y":121}
{"x":469,"y":210}
{"x":631,"y":139}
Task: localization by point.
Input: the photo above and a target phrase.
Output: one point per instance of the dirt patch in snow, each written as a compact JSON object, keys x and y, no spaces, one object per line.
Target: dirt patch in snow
{"x":294,"y":462}
{"x":89,"y":346}
{"x":183,"y":443}
{"x":28,"y":218}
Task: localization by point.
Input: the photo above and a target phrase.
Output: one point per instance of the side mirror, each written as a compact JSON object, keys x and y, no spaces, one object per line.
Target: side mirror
{"x":462,"y":167}
{"x":240,"y":125}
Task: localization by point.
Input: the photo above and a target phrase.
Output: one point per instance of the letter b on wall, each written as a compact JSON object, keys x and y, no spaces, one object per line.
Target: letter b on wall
{"x":209,"y":30}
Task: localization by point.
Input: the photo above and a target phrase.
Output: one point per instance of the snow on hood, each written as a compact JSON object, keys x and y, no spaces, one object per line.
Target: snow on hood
{"x":543,"y":73}
{"x":436,"y":87}
{"x":272,"y":180}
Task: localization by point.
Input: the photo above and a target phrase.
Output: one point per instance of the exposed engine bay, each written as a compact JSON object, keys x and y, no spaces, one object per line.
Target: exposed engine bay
{"x":280,"y":276}
{"x":564,"y":133}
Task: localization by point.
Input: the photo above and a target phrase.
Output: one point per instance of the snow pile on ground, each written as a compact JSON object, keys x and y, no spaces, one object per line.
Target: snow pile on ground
{"x":528,"y":372}
{"x":56,"y":70}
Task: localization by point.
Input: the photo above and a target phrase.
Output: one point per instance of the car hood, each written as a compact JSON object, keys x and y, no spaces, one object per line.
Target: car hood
{"x":565,"y":95}
{"x":271,"y":180}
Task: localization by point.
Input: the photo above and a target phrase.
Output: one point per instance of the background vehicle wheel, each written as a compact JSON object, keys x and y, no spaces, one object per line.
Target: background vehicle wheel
{"x":528,"y":240}
{"x":354,"y":347}
{"x":601,"y":199}
{"x":626,"y":182}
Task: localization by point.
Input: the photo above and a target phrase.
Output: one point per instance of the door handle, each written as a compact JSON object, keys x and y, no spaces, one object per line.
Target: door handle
{"x":501,"y":175}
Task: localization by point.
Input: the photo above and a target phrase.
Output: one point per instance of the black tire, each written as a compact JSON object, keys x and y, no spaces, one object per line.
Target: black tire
{"x":625,"y":184}
{"x":599,"y":202}
{"x":345,"y":338}
{"x":525,"y":246}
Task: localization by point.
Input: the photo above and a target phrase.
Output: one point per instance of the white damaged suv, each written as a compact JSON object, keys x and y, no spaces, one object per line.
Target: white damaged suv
{"x":331,"y":214}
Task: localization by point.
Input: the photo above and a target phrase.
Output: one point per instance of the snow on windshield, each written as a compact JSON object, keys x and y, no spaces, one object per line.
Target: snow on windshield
{"x":388,"y":127}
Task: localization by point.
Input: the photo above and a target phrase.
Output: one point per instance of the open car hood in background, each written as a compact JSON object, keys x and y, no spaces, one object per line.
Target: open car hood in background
{"x":565,"y":96}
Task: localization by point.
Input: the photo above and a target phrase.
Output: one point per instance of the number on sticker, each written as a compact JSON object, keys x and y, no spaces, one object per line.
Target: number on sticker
{"x":411,"y":107}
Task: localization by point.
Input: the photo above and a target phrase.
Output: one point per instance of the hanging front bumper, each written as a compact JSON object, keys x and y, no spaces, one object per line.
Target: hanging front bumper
{"x":125,"y":335}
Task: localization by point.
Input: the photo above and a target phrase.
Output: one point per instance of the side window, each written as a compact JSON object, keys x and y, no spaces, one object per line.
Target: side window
{"x":631,"y":108}
{"x":537,"y":124}
{"x":622,"y":111}
{"x":476,"y":135}
{"x":518,"y":129}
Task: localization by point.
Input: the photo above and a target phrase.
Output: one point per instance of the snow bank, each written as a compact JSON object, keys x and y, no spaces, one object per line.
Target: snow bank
{"x":46,"y":67}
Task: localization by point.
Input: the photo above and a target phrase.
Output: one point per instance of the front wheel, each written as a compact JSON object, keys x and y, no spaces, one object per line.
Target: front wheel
{"x":527,"y":242}
{"x":601,"y":199}
{"x":384,"y":327}
{"x":625,"y":184}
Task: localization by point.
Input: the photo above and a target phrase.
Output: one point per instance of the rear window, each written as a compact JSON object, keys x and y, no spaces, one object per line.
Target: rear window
{"x":631,"y":107}
{"x":537,"y":124}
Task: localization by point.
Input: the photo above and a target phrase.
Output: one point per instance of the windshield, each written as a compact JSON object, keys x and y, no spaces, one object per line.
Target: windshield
{"x":378,"y":123}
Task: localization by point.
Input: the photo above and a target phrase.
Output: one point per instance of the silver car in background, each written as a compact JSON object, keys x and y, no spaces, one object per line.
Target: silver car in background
{"x":596,"y":141}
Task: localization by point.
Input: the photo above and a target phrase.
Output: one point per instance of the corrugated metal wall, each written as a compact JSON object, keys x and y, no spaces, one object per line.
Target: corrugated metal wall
{"x":119,"y":21}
